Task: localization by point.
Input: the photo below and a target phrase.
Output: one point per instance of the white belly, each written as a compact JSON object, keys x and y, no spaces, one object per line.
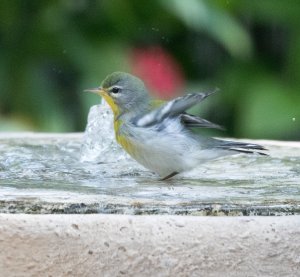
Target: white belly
{"x":172,"y":149}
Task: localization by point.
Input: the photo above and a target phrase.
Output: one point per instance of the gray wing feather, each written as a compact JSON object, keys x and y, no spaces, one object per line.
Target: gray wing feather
{"x":194,"y":121}
{"x":172,"y":108}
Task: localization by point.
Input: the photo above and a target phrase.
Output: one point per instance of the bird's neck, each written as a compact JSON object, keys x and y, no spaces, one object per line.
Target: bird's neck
{"x":132,"y":112}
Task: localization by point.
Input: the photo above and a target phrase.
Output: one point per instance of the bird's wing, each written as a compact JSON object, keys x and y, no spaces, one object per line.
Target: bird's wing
{"x":193,"y":121}
{"x":172,"y":108}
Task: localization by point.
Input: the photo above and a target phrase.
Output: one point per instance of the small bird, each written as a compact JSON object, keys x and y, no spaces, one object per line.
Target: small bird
{"x":160,"y":135}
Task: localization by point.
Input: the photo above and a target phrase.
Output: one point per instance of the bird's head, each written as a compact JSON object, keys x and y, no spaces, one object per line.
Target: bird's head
{"x":123,"y":92}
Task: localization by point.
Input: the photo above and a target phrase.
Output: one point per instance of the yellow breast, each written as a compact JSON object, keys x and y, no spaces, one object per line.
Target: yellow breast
{"x":122,"y":140}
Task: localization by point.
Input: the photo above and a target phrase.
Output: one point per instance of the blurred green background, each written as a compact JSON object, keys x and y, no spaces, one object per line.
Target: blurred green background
{"x":50,"y":51}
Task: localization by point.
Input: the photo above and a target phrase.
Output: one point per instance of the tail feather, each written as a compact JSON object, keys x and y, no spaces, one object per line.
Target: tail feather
{"x":249,"y":152}
{"x":242,"y":147}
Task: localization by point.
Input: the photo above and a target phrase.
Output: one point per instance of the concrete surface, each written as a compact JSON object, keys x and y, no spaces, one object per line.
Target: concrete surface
{"x":124,"y":245}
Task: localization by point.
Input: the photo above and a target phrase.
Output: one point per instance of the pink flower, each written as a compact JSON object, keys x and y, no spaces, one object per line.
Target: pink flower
{"x":159,"y":70}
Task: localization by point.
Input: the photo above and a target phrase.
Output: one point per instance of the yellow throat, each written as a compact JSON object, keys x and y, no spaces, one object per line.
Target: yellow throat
{"x":121,"y":139}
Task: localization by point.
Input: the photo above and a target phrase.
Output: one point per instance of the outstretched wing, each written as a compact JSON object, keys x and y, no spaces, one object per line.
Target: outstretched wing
{"x":172,"y":108}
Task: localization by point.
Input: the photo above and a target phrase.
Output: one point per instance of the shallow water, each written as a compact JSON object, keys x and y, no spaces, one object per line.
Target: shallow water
{"x":44,"y":173}
{"x":42,"y":169}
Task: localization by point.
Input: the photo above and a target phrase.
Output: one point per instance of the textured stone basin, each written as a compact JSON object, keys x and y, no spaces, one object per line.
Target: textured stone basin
{"x":44,"y":173}
{"x":55,"y":174}
{"x":124,"y":245}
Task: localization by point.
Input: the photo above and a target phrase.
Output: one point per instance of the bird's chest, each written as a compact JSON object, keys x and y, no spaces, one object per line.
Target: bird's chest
{"x":156,"y":154}
{"x":123,"y":138}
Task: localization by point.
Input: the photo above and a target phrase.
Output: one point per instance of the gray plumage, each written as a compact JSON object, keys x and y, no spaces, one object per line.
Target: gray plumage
{"x":163,"y":138}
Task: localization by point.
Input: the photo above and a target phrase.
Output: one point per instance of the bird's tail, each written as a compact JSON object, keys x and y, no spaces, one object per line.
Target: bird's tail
{"x":242,"y":147}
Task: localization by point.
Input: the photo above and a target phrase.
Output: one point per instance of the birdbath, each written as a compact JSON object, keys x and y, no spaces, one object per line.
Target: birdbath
{"x":90,"y":174}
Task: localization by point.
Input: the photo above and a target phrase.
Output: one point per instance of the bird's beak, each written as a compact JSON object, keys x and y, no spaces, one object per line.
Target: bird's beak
{"x":98,"y":90}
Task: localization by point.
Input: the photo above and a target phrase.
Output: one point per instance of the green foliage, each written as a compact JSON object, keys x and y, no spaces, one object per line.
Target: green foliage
{"x":50,"y":51}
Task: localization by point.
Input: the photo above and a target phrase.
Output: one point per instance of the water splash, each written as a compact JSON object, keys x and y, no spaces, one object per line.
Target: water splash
{"x":99,"y":143}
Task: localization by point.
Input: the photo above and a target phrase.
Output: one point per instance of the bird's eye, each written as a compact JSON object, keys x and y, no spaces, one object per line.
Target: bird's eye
{"x":115,"y":90}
